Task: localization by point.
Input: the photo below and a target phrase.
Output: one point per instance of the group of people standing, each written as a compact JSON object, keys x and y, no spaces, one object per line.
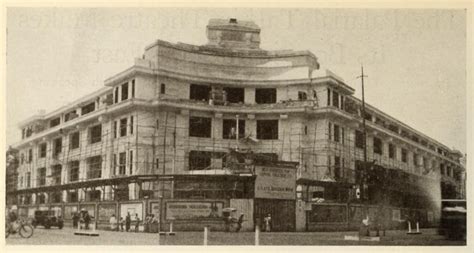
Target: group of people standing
{"x":118,"y":225}
{"x":81,"y":217}
{"x":151,"y":224}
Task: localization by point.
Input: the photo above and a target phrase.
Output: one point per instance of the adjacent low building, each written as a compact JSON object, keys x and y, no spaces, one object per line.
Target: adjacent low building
{"x":190,"y":130}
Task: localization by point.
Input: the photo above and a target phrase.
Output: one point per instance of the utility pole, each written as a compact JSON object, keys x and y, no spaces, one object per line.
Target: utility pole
{"x":364,"y":171}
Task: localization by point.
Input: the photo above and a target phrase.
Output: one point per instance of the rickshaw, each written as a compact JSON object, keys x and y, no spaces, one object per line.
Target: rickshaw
{"x":232,"y":221}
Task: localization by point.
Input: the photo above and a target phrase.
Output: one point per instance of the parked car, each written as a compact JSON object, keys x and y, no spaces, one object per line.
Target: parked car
{"x":48,"y":219}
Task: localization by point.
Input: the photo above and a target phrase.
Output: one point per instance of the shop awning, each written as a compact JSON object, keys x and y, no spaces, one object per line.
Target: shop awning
{"x":132,"y":179}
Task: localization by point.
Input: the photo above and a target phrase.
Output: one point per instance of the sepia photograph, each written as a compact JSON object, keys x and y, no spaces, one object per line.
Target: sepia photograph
{"x":301,"y":126}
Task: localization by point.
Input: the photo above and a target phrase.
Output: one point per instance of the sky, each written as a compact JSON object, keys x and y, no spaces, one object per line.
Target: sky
{"x":415,"y":59}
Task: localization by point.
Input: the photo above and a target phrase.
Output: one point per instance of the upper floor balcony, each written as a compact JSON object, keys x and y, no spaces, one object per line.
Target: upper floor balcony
{"x":280,"y":107}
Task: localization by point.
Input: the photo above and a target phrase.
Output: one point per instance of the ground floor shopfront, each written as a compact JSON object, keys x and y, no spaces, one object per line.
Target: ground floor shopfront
{"x":287,"y":215}
{"x":192,"y":202}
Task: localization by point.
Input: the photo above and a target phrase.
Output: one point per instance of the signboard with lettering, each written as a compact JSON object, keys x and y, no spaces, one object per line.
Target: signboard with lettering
{"x":106,"y":211}
{"x":193,"y":210}
{"x":155,"y":209}
{"x":132,"y":209}
{"x":275,"y":182}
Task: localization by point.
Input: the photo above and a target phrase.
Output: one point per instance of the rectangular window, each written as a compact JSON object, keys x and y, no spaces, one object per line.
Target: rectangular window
{"x":337,"y":167}
{"x":265,"y":96}
{"x":267,"y":129}
{"x":359,"y":139}
{"x":115,"y":129}
{"x":336,"y":133}
{"x":41,"y":176}
{"x":88,"y":108}
{"x":330,"y":131}
{"x":29,"y":131}
{"x":114,"y":165}
{"x":199,"y":92}
{"x":329,"y":97}
{"x":415,"y":159}
{"x":441,"y":168}
{"x":131,"y":124}
{"x":70,"y":115}
{"x":124,"y":91}
{"x":200,"y":127}
{"x":54,"y":122}
{"x":130,"y":162}
{"x":335,"y":99}
{"x":235,"y":95}
{"x":72,"y":197}
{"x":41,"y":199}
{"x":368,"y":116}
{"x":302,"y":95}
{"x":133,"y":88}
{"x":108,"y":99}
{"x":94,"y":167}
{"x":74,"y":140}
{"x":93,"y":195}
{"x":122,"y":163}
{"x":30,"y":155}
{"x":95,"y":134}
{"x":116,"y":95}
{"x":377,"y":146}
{"x":123,"y":127}
{"x":57,"y":146}
{"x":229,"y":129}
{"x":73,"y":171}
{"x":391,"y":151}
{"x":199,"y":160}
{"x":56,"y":174}
{"x":28,"y":179}
{"x":404,"y":155}
{"x":162,"y":88}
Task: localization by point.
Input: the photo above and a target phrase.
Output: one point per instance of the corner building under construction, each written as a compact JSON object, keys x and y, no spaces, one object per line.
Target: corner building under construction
{"x":188,"y":131}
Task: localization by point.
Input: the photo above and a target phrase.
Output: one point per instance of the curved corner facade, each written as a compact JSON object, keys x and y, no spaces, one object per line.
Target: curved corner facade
{"x":212,"y":124}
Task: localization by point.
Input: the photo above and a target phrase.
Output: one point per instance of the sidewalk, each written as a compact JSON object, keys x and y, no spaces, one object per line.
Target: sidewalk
{"x":66,"y":237}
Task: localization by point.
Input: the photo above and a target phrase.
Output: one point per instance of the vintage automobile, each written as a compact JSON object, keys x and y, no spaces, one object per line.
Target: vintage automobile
{"x":453,"y":219}
{"x":47,"y":219}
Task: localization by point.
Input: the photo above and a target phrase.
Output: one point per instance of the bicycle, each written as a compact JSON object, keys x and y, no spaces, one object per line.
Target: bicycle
{"x":24,"y":229}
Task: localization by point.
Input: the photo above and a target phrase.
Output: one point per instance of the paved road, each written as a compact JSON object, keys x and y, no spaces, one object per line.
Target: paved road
{"x":66,"y":236}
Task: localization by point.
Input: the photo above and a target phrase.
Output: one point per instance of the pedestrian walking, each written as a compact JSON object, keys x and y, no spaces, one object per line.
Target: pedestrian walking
{"x":128,"y":220}
{"x":267,"y":221}
{"x":113,"y":222}
{"x":137,"y":222}
{"x":87,"y":219}
{"x":121,"y":221}
{"x":364,"y":229}
{"x":75,"y":220}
